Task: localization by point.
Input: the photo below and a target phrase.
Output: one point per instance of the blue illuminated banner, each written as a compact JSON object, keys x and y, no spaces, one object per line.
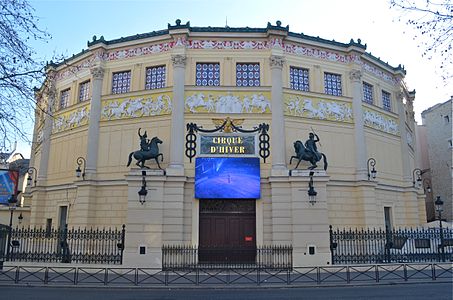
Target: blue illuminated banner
{"x":227,"y":178}
{"x":8,"y":185}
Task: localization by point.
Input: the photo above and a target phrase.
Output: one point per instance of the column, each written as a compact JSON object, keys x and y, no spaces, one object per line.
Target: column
{"x":407,"y":172}
{"x":93,"y":127}
{"x":278,"y":121}
{"x":176,"y":166}
{"x":359,"y":133}
{"x":47,"y":131}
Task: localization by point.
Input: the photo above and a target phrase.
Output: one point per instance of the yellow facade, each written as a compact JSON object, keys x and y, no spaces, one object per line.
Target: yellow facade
{"x":103,"y":130}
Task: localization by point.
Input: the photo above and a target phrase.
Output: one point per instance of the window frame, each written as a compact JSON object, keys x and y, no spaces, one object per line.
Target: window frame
{"x":384,"y":106}
{"x":87,"y":98}
{"x":248,"y":63}
{"x":201,"y":79}
{"x":129,"y":83}
{"x":68,"y":90}
{"x":325,"y":84}
{"x":293,"y":68}
{"x":368,"y":100}
{"x":163,"y":82}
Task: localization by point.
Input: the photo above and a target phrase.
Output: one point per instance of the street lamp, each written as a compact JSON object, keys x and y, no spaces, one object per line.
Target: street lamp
{"x":81,"y":161}
{"x":143,"y":191}
{"x":32,"y":174}
{"x":427,"y":185}
{"x":439,"y":208}
{"x":311,"y":190}
{"x":417,"y":182}
{"x":371,"y":163}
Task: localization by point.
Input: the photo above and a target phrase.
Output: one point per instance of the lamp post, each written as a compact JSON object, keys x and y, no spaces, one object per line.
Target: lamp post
{"x":371,"y":163}
{"x":81,"y":172}
{"x":32,"y":174}
{"x":12,"y":202}
{"x":143,"y":191}
{"x":311,"y":190}
{"x":417,"y":181}
{"x":439,"y":208}
{"x":427,"y":185}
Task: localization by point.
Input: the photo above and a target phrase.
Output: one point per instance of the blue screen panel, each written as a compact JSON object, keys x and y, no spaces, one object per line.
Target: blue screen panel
{"x":227,"y":178}
{"x":8,"y":185}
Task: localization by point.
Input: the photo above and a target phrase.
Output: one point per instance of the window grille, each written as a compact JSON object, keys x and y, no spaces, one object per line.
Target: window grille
{"x":155,"y":77}
{"x":298,"y":79}
{"x":84,"y":91}
{"x":207,"y":74}
{"x":121,"y":82}
{"x":332,"y":84}
{"x":368,"y":93}
{"x":248,"y":74}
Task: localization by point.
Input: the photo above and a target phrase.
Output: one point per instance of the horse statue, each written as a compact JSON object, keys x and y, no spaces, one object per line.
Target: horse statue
{"x":308,"y":152}
{"x":149,"y":149}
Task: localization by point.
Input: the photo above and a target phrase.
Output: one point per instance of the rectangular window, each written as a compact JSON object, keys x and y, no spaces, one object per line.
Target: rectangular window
{"x":84,"y":91}
{"x":121,"y":82}
{"x":207,"y":74}
{"x":386,"y":104}
{"x":332,"y":84}
{"x":298,"y":79}
{"x":48,"y":227}
{"x":155,"y":77}
{"x":248,"y":74}
{"x":367,"y":93}
{"x":64,"y":98}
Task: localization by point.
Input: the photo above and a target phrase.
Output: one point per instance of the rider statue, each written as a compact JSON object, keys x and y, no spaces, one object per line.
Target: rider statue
{"x":144,"y":142}
{"x":310,"y":144}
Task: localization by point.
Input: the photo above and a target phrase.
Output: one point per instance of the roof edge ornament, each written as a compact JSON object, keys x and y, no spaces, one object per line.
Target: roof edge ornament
{"x":278,"y":26}
{"x":95,"y":41}
{"x":178,"y":25}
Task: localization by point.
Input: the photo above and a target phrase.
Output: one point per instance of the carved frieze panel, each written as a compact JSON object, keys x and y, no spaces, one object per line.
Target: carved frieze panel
{"x":135,"y":107}
{"x":317,"y":108}
{"x":380,"y":121}
{"x":227,"y":102}
{"x":71,"y":119}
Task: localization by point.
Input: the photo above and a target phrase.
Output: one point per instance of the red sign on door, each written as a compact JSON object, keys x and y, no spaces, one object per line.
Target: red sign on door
{"x":249,"y":239}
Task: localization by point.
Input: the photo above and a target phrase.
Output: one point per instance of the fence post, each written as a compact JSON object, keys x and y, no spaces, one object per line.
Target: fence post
{"x":388,"y":244}
{"x":123,"y":238}
{"x":331,"y":243}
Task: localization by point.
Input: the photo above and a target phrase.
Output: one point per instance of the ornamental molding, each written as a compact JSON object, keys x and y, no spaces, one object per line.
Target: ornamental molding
{"x":221,"y":102}
{"x":316,"y":108}
{"x":71,"y":119}
{"x":381,"y":122}
{"x":136,"y":107}
{"x":179,"y":60}
{"x":355,"y":75}
{"x":276,"y":61}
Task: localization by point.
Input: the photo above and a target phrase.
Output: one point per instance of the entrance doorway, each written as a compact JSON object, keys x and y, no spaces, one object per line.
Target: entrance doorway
{"x":227,"y":231}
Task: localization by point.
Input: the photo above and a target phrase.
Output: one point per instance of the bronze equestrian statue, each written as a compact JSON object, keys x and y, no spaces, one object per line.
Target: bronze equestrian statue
{"x":309,"y":152}
{"x":149,"y":149}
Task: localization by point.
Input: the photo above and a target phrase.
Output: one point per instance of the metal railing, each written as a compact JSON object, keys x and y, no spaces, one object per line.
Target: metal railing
{"x":92,"y":246}
{"x":178,"y":257}
{"x":369,"y":246}
{"x":155,"y":277}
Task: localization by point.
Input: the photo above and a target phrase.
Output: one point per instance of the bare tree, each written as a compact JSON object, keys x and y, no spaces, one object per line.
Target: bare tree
{"x":433,"y":23}
{"x":20,"y":71}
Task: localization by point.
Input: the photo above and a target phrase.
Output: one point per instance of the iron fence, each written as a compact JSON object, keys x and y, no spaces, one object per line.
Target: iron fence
{"x":92,"y":246}
{"x":183,"y":257}
{"x":369,"y":246}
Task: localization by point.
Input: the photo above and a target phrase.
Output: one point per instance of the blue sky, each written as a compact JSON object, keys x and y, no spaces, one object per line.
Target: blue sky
{"x":73,"y":23}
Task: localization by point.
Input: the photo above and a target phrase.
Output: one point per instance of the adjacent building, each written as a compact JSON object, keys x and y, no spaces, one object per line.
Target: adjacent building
{"x":226,"y":108}
{"x":438,"y":132}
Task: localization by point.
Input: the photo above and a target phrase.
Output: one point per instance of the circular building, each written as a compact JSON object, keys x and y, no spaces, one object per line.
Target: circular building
{"x":191,"y":136}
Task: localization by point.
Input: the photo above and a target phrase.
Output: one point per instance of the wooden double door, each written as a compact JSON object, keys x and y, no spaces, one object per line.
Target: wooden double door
{"x":227,"y":231}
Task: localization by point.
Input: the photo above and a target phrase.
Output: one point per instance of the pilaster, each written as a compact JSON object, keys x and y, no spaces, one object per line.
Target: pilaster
{"x":93,"y":126}
{"x":278,"y":122}
{"x":407,"y":173}
{"x":359,"y":134}
{"x":176,"y":165}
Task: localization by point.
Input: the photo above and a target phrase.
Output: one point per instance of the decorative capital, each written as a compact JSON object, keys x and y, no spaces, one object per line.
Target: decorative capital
{"x":97,"y":72}
{"x":276,"y":61}
{"x":355,"y":75}
{"x":400,"y":96}
{"x":179,"y":60}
